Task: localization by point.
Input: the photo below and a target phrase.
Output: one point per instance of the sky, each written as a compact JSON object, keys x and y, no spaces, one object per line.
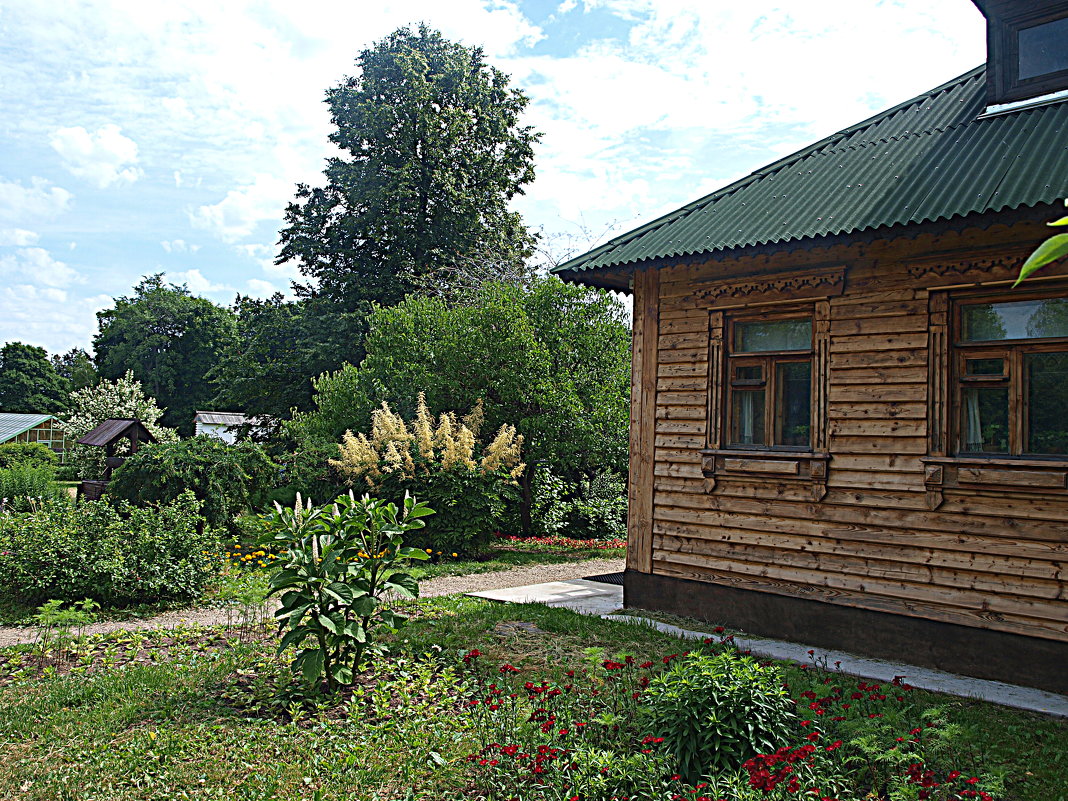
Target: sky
{"x":143,"y":137}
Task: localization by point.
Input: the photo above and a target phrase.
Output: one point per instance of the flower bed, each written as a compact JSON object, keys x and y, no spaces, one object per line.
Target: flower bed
{"x":557,"y":544}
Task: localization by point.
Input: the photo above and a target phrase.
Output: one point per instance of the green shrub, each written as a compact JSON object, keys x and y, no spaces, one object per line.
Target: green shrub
{"x":715,"y":712}
{"x":598,"y":509}
{"x":28,"y":454}
{"x":114,"y":554}
{"x":440,"y":463}
{"x":23,"y":485}
{"x":226,"y":479}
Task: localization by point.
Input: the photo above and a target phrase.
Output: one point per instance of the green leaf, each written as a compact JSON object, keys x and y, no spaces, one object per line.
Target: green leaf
{"x":412,"y":553}
{"x":1054,"y":248}
{"x":327,"y":623}
{"x":294,"y":637}
{"x":403,"y":584}
{"x":342,"y":673}
{"x":364,"y":605}
{"x":342,"y":592}
{"x":293,"y":614}
{"x":1061,"y":221}
{"x":310,"y":663}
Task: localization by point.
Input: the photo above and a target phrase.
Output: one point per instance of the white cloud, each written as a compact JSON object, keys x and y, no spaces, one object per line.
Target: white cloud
{"x":260,"y":288}
{"x":179,"y":246}
{"x":198,"y":284}
{"x":17,"y":236}
{"x":236,"y":216}
{"x":38,"y":201}
{"x":38,"y":266}
{"x":48,"y":317}
{"x":265,"y":256}
{"x":102,"y":158}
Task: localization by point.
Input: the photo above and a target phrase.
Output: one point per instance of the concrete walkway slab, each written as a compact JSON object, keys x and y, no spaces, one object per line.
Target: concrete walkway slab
{"x":587,"y":597}
{"x":595,"y":598}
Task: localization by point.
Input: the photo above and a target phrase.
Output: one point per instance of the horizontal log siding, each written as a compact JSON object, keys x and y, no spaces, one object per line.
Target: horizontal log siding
{"x":989,"y":559}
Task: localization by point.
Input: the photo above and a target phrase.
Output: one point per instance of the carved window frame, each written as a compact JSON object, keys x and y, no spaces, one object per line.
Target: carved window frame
{"x":808,"y":466}
{"x":947,"y":465}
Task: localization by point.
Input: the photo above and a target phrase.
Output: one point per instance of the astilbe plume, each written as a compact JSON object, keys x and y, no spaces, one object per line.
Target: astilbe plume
{"x":451,"y":443}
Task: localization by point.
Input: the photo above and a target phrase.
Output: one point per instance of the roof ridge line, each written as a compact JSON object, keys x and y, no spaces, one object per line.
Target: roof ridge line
{"x":763,"y":172}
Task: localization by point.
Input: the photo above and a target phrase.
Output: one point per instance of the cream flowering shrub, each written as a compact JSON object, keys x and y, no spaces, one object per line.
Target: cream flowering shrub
{"x":442,"y":462}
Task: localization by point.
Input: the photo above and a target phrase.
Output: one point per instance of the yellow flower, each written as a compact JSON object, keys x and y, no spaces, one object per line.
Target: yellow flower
{"x":429,"y":551}
{"x":454,"y":555}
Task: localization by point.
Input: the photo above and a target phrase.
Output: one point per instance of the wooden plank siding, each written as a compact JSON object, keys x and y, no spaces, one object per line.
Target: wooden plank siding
{"x":988,"y":557}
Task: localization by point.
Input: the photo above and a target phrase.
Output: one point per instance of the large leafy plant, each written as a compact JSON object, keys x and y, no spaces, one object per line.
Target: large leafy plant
{"x":338,"y":567}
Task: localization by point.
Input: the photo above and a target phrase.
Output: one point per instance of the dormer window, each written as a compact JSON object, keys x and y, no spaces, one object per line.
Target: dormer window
{"x":1027,"y":50}
{"x":1042,"y":50}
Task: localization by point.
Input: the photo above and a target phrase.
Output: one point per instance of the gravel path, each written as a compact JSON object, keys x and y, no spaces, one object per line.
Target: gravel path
{"x":447,"y":585}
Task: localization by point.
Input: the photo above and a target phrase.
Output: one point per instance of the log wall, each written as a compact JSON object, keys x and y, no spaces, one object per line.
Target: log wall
{"x":881,"y":528}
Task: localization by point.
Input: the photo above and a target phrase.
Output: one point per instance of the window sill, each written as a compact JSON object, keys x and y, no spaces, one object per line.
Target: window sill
{"x":993,"y":473}
{"x":803,"y":466}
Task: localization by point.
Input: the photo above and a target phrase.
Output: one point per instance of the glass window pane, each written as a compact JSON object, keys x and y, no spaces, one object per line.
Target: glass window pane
{"x":1047,"y":403}
{"x":749,"y":372}
{"x":747,"y":417}
{"x":985,"y":420}
{"x":1022,"y":319}
{"x":793,"y":406}
{"x":774,"y":335}
{"x":1042,"y":49}
{"x":985,"y":367}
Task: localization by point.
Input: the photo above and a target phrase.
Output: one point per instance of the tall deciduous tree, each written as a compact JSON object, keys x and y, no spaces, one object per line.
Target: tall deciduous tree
{"x":435,"y":152}
{"x":169,"y":340}
{"x":29,"y":382}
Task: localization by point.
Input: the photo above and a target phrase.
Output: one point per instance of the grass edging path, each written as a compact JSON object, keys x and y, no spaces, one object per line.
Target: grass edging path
{"x":429,"y":587}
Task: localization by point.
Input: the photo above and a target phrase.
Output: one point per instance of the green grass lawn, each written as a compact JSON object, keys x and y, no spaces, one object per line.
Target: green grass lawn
{"x":198,"y":715}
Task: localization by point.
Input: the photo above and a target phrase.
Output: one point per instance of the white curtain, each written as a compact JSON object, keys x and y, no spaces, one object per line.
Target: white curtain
{"x":747,"y":418}
{"x":973,"y":426}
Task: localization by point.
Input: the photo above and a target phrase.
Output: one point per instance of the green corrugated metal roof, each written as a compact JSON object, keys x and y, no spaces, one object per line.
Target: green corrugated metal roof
{"x":11,"y":425}
{"x":925,"y":160}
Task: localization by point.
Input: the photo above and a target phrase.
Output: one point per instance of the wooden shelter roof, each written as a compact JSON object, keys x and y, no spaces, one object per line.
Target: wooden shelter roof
{"x":112,"y":430}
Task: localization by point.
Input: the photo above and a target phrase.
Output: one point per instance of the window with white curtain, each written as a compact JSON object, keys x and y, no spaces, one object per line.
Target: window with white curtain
{"x":1011,"y":370}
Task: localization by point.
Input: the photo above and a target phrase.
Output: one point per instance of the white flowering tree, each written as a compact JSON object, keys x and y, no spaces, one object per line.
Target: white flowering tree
{"x":120,"y":399}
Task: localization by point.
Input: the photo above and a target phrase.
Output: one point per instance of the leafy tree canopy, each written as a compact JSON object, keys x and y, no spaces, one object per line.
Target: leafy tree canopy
{"x":269,"y":369}
{"x":28,"y":381}
{"x":553,"y":359}
{"x":169,"y":340}
{"x":434,"y":153}
{"x":226,"y":479}
{"x":77,"y":367}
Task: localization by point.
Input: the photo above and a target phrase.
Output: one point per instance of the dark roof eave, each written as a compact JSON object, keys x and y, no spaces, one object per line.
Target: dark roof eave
{"x":615,"y":276}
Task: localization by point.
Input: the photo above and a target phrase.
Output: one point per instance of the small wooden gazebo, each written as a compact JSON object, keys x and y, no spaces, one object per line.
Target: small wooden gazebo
{"x":108,"y":435}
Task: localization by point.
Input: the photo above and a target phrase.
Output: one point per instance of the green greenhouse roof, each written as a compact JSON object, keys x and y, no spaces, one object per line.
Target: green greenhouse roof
{"x":931,"y":158}
{"x":11,"y":425}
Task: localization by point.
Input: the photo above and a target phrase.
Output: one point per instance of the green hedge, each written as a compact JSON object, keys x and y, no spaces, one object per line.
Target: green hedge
{"x":27,"y":454}
{"x":226,"y":479}
{"x":115,"y":554}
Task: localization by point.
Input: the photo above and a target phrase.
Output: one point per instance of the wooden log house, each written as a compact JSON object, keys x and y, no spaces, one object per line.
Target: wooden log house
{"x":847,"y":428}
